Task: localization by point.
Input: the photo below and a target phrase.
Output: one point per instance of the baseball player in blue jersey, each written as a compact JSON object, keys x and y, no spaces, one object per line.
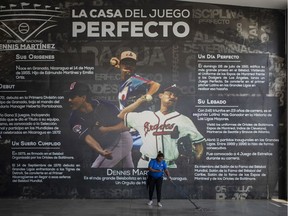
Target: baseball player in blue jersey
{"x":96,"y":122}
{"x":161,"y":130}
{"x":132,"y":86}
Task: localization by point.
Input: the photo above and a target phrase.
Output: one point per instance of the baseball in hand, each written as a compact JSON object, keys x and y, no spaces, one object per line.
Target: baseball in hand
{"x":148,"y":97}
{"x":114,"y":61}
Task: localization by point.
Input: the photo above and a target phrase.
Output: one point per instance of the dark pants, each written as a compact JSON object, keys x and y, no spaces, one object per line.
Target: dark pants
{"x":152,"y":182}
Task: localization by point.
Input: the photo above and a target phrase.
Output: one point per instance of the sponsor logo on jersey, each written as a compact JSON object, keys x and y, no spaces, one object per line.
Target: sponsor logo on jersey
{"x":77,"y":129}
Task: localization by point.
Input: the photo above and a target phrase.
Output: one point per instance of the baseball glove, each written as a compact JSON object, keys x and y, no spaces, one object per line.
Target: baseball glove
{"x":198,"y":150}
{"x":189,"y":150}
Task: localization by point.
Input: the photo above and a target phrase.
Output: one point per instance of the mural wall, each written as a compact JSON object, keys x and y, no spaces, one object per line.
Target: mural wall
{"x":68,"y":68}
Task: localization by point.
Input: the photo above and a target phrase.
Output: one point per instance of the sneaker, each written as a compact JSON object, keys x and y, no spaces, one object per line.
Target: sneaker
{"x":159,"y":204}
{"x":150,"y":203}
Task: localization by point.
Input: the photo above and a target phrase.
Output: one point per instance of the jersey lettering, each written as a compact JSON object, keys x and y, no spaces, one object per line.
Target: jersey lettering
{"x":148,"y":127}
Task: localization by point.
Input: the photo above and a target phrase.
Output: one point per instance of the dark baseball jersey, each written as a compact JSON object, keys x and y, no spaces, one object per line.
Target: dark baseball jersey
{"x":103,"y":114}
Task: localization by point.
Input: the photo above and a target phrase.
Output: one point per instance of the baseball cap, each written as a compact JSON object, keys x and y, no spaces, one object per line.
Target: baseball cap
{"x":78,"y":88}
{"x":171,"y":88}
{"x":128,"y":55}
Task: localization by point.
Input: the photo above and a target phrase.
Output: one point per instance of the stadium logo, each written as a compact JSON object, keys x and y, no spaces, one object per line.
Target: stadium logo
{"x":26,"y":21}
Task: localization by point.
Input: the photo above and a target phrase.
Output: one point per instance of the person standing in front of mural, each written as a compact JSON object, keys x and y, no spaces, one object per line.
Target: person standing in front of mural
{"x":161,"y":130}
{"x":95,"y":122}
{"x":156,"y":168}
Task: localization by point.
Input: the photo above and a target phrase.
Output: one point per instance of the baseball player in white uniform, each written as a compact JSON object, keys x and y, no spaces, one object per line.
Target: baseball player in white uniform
{"x":161,"y":130}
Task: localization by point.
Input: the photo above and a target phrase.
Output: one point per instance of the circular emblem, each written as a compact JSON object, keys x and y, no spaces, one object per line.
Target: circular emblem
{"x":23,"y":28}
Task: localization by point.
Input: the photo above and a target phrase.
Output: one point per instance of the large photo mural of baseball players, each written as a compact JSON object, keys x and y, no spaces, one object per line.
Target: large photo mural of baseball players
{"x":91,"y":92}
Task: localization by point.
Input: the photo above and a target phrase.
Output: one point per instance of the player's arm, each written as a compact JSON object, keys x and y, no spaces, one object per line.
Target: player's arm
{"x":196,"y":139}
{"x":120,"y":127}
{"x":113,"y":123}
{"x":153,"y":87}
{"x":132,"y":107}
{"x":97,"y":147}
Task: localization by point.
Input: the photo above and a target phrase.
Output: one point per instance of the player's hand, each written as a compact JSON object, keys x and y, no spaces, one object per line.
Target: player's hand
{"x":142,"y":99}
{"x":107,"y":154}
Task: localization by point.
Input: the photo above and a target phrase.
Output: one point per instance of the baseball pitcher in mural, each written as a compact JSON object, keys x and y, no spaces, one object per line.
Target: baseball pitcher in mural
{"x":96,"y":122}
{"x":161,"y":130}
{"x":132,"y":86}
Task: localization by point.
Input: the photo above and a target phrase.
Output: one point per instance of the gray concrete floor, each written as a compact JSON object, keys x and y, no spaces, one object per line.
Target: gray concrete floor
{"x":138,"y":207}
